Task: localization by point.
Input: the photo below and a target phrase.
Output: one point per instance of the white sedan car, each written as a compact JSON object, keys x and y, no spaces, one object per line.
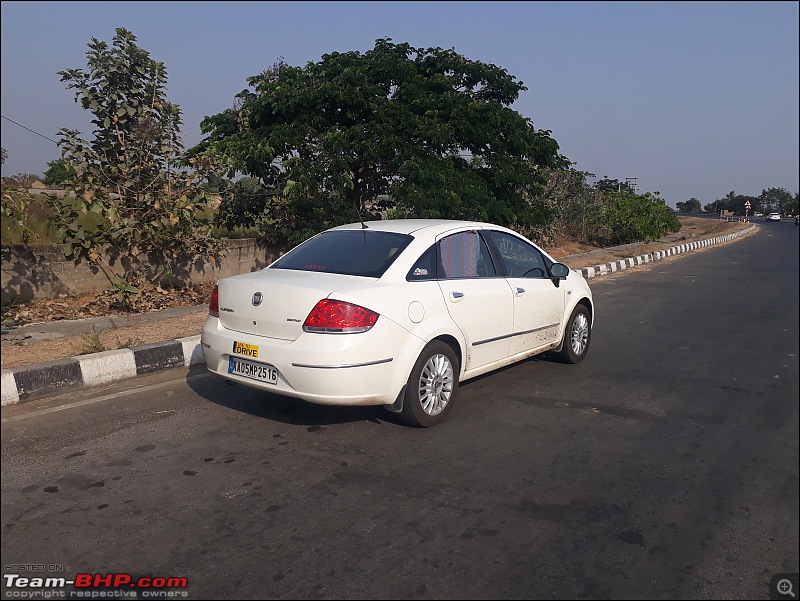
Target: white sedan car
{"x":396,"y":313}
{"x":774,"y":217}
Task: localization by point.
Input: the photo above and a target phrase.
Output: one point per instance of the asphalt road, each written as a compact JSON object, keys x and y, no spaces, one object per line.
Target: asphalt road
{"x":663,"y":466}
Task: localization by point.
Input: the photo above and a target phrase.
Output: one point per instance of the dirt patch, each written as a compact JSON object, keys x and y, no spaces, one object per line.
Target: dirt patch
{"x":104,"y":302}
{"x":563,"y":248}
{"x":22,"y":347}
{"x":19,"y":351}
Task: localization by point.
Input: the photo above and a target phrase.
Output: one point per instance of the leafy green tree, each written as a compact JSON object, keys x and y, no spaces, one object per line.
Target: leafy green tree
{"x":730,"y":201}
{"x":14,"y":209}
{"x":397,"y":130}
{"x":58,"y":172}
{"x":613,"y":185}
{"x":690,"y":206}
{"x":778,"y":199}
{"x":127,"y":173}
{"x":242,"y":204}
{"x":215,"y":183}
{"x":720,"y":204}
{"x":740,"y":205}
{"x":735,"y":203}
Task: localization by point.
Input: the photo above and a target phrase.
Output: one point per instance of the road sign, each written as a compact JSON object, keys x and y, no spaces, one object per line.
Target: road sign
{"x":747,"y":204}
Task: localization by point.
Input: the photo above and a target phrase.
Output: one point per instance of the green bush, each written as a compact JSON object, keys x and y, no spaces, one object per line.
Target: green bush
{"x":36,"y":225}
{"x":624,"y":217}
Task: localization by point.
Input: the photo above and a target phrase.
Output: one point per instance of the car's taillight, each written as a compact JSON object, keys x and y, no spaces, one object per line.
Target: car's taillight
{"x":339,"y":317}
{"x":213,"y":305}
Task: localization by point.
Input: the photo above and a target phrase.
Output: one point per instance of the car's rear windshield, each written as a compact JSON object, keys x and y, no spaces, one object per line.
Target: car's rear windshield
{"x":349,"y":252}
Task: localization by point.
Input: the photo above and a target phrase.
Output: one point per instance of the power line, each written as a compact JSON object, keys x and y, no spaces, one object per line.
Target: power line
{"x":29,"y":129}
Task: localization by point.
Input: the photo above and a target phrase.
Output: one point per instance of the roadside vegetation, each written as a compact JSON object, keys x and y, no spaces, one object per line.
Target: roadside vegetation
{"x":92,"y":342}
{"x":393,"y":132}
{"x":778,"y":200}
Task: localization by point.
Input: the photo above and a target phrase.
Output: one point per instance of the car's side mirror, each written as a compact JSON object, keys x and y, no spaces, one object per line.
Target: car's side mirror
{"x":558,"y":272}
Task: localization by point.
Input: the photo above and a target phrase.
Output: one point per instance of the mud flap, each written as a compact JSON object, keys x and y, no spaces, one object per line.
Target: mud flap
{"x":397,"y":406}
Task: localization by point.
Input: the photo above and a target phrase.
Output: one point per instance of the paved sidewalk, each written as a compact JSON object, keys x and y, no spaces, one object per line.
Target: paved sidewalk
{"x":35,"y":381}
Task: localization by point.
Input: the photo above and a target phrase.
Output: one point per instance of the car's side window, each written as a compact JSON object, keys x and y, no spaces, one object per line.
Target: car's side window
{"x":424,"y":268}
{"x":519,"y":259}
{"x":464,"y":255}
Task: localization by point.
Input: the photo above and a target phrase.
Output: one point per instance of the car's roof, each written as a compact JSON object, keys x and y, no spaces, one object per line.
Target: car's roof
{"x":409,"y":226}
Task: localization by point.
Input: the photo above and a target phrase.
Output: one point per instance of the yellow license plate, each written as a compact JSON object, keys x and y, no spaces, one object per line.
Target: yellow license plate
{"x":248,"y":350}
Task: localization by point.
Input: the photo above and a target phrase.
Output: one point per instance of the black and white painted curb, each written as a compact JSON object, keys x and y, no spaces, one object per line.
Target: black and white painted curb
{"x":34,"y":381}
{"x":600,"y":270}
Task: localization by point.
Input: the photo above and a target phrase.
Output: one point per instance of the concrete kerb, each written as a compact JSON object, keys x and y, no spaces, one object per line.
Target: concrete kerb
{"x":605,"y":269}
{"x":30,"y":382}
{"x":34,"y":381}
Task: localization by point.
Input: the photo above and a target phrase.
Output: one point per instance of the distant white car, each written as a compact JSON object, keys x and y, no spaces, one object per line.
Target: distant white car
{"x":774,"y":217}
{"x":395,"y":313}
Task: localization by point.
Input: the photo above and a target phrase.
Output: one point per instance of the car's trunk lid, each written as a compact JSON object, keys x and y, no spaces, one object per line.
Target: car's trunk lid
{"x":275,"y":302}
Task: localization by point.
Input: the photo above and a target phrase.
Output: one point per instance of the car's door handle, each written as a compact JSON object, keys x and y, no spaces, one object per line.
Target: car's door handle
{"x":456,"y":296}
{"x":519,"y":291}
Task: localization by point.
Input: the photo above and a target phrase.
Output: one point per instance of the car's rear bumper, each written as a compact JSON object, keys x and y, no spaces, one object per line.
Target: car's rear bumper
{"x":370,"y":368}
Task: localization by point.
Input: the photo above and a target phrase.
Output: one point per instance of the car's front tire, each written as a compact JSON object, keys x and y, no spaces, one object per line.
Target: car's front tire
{"x":577,"y":336}
{"x":431,"y":386}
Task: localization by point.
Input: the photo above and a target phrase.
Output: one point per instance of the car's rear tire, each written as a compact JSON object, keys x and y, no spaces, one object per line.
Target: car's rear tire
{"x":431,"y":386}
{"x":577,"y":336}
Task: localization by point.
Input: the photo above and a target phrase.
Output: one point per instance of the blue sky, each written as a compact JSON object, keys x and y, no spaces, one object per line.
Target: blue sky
{"x":694,"y":99}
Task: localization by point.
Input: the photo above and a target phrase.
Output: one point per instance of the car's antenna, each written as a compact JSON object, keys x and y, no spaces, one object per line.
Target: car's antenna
{"x":363,"y":225}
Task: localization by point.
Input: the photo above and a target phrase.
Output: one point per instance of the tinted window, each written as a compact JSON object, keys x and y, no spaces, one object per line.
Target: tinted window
{"x":464,"y":255}
{"x":519,"y":258}
{"x":350,"y":252}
